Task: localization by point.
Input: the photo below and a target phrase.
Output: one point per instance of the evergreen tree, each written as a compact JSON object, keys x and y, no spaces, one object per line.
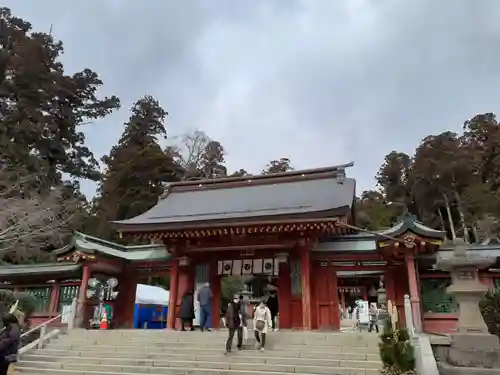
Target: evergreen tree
{"x":278,"y":166}
{"x":41,"y":107}
{"x":41,"y":110}
{"x":136,"y":169}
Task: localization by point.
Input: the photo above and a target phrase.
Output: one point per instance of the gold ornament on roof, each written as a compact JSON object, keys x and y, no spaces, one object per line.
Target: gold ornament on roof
{"x":409,"y":241}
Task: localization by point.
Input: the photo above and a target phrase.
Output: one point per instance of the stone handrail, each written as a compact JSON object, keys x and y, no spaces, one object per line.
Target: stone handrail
{"x":410,"y":325}
{"x":69,"y":316}
{"x":425,"y":362}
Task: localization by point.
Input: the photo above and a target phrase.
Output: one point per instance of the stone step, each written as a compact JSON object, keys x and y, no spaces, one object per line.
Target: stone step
{"x":229,"y":362}
{"x":215,"y":346}
{"x":290,"y":335}
{"x":325,"y":340}
{"x":243,"y":356}
{"x":193,"y":342}
{"x":36,"y":367}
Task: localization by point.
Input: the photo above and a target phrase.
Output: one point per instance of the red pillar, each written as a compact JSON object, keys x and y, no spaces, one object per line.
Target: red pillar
{"x":54,"y":298}
{"x":174,"y":286}
{"x":334,"y":297}
{"x":125,"y":302}
{"x":414,"y":291}
{"x":82,"y":295}
{"x":305,"y":269}
{"x":215,"y":285}
{"x":389,"y":285}
{"x":284,"y":295}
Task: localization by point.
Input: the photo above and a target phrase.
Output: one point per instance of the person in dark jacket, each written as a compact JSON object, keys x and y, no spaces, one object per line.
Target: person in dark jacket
{"x":234,"y":323}
{"x":10,"y":338}
{"x":205,"y":297}
{"x":272,"y":304}
{"x":186,"y":312}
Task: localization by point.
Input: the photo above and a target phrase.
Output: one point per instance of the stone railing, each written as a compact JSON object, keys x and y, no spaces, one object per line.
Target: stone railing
{"x":68,"y":317}
{"x":425,"y":362}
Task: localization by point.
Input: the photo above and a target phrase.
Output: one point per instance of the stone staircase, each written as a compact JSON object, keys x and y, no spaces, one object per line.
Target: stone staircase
{"x":132,"y":352}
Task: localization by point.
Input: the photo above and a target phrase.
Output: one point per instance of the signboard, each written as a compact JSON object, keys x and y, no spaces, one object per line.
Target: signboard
{"x":196,"y":320}
{"x":66,"y":313}
{"x":364,"y":312}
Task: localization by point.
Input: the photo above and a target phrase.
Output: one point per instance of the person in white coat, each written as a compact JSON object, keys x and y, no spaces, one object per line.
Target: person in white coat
{"x":261,"y":322}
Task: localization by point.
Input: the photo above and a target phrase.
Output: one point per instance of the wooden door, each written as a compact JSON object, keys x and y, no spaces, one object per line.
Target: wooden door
{"x":326,"y":301}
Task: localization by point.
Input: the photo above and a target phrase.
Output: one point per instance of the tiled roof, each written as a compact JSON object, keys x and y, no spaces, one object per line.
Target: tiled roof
{"x":263,"y":197}
{"x":91,"y":245}
{"x":38,"y":269}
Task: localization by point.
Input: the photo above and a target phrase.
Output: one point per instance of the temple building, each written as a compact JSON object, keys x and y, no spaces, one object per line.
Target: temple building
{"x":295,"y":231}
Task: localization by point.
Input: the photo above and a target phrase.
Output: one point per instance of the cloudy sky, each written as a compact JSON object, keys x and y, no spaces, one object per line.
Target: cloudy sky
{"x":321,"y":82}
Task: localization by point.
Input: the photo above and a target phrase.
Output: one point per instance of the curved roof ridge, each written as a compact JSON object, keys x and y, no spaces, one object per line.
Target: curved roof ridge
{"x":335,"y":169}
{"x":409,"y":222}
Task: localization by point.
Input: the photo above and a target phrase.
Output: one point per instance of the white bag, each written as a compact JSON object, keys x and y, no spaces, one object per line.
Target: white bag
{"x":245,"y":334}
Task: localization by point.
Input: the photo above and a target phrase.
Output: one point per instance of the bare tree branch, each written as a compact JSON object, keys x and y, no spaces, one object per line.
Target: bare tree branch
{"x":31,"y":222}
{"x":190,"y":149}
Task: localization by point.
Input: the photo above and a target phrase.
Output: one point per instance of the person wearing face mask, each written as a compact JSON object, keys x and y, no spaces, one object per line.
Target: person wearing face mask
{"x":10,"y":339}
{"x":234,"y":323}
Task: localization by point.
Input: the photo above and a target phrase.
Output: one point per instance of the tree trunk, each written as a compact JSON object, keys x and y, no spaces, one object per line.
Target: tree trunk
{"x":450,"y":218}
{"x":462,"y":216}
{"x":441,"y":219}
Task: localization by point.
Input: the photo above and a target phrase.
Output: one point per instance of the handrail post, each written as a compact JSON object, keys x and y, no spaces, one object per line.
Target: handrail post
{"x":409,"y":316}
{"x":43,"y":332}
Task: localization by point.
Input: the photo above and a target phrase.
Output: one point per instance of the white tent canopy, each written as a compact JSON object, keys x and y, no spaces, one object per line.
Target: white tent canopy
{"x":151,"y":295}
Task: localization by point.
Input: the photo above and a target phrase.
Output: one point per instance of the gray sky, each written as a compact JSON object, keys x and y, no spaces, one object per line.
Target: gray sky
{"x":319,"y":81}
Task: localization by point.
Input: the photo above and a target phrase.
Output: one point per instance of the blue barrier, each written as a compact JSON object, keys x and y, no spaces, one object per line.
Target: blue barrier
{"x":150,"y":316}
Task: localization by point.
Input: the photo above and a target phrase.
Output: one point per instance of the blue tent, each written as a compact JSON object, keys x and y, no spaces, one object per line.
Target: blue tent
{"x":151,"y":307}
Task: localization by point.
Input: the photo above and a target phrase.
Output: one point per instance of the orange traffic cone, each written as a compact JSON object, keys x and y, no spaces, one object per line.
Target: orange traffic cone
{"x":104,"y":320}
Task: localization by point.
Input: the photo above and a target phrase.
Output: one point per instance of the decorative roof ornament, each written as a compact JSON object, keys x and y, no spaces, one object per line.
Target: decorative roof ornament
{"x":409,"y":241}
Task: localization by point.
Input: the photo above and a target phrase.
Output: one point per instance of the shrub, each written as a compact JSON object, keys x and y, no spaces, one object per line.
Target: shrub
{"x":490,"y":310}
{"x":396,"y":351}
{"x":27,"y":304}
{"x":6,"y":301}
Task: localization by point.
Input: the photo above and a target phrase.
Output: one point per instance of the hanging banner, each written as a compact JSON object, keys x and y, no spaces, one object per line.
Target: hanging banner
{"x":268,"y":267}
{"x":227,"y":267}
{"x":247,"y":268}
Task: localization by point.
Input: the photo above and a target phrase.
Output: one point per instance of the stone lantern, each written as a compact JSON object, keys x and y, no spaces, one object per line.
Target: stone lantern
{"x":472,"y":346}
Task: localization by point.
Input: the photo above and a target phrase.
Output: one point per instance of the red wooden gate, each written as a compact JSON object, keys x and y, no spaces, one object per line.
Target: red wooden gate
{"x":326,"y":300}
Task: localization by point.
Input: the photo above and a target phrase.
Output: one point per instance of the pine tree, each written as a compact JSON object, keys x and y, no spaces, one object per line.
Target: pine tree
{"x":136,"y":168}
{"x":396,"y":351}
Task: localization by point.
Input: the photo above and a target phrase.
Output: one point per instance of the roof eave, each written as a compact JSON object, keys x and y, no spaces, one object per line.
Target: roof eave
{"x":46,"y":269}
{"x":326,"y":215}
